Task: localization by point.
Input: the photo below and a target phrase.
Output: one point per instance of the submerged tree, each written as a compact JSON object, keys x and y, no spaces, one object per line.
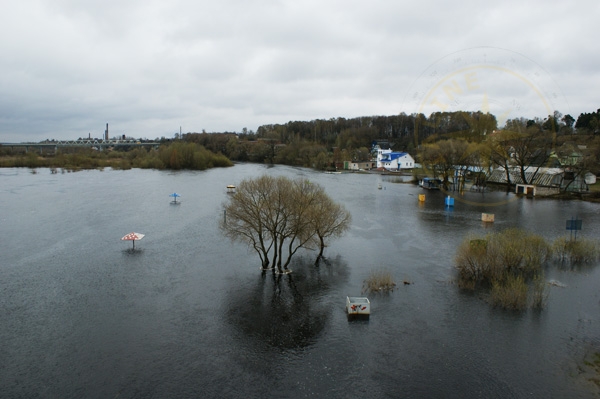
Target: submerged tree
{"x":330,"y":220}
{"x":444,"y":157}
{"x":277,"y":216}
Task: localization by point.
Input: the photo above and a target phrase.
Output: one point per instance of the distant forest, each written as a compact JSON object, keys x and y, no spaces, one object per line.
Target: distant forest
{"x":437,"y":142}
{"x":319,"y":143}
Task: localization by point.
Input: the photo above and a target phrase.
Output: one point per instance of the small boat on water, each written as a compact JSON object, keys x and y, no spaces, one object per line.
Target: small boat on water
{"x":431,"y":183}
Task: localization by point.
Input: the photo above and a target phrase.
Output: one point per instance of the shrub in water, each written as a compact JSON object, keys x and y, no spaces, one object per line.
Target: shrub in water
{"x":576,"y":251}
{"x":505,"y":262}
{"x":471,"y":262}
{"x":510,"y":293}
{"x":379,"y":281}
{"x":539,"y":295}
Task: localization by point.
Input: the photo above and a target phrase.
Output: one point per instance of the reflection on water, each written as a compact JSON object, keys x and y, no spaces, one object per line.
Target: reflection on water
{"x":284,"y":311}
{"x":189,"y":314}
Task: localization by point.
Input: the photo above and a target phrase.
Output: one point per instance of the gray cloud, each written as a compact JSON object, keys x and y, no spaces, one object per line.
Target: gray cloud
{"x":148,"y":67}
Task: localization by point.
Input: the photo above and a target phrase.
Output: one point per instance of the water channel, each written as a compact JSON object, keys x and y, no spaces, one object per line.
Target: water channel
{"x":189,"y":314}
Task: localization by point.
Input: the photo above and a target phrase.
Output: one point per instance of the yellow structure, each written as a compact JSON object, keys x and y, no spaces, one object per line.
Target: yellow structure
{"x":487,"y":217}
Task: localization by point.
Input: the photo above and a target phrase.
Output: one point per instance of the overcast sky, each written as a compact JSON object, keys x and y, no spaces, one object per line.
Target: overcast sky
{"x":149,"y":67}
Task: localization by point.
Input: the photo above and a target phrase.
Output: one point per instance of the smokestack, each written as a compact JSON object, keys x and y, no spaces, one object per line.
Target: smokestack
{"x":106,"y":133}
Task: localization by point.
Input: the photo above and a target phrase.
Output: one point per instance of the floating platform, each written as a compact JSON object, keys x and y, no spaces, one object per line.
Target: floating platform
{"x":487,"y":217}
{"x":358,"y":307}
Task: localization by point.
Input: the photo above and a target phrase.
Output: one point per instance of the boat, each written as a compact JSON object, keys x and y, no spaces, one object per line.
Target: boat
{"x":431,"y":183}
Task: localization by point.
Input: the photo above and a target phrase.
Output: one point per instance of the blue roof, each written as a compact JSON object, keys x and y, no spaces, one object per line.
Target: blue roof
{"x":392,"y":156}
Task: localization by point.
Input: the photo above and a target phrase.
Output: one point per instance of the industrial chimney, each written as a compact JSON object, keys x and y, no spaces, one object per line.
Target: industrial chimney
{"x":106,"y":133}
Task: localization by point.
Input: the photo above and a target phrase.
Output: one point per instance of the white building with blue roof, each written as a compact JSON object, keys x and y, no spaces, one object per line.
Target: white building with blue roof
{"x":390,"y":160}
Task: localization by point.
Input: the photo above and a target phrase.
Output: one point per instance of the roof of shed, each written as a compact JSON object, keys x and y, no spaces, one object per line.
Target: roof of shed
{"x":543,"y":177}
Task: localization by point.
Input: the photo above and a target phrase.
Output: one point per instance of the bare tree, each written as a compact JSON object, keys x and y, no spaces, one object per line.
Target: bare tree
{"x":532,"y":151}
{"x":245,"y":219}
{"x":500,"y":148}
{"x":478,"y":156}
{"x":444,"y":157}
{"x":294,"y":225}
{"x":329,"y":220}
{"x":277,"y":216}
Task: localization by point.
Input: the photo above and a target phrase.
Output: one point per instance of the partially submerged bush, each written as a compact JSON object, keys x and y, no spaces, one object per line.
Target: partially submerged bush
{"x":471,"y":262}
{"x":592,"y":364}
{"x":506,"y":262}
{"x":489,"y":260}
{"x":576,"y":251}
{"x":539,"y":295}
{"x":519,"y":252}
{"x":379,"y":281}
{"x":510,"y":293}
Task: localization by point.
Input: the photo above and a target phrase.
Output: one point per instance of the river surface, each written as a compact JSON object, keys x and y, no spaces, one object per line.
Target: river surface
{"x":188,"y":314}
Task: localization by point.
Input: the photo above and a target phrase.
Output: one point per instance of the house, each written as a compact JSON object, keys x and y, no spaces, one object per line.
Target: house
{"x":355,"y":165}
{"x":390,"y":160}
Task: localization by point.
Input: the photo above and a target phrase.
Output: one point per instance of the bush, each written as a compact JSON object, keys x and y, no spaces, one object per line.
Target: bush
{"x":592,"y":363}
{"x":191,"y":156}
{"x":149,"y":163}
{"x":510,"y":293}
{"x":509,"y":248}
{"x":506,"y":262}
{"x":580,"y":251}
{"x":471,"y":262}
{"x":537,"y":252}
{"x":379,"y":281}
{"x":539,"y":296}
{"x":123,"y":164}
{"x":489,"y":259}
{"x":519,"y":251}
{"x":175,"y":156}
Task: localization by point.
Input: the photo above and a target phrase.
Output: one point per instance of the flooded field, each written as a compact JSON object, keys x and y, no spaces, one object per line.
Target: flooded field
{"x":188,"y":314}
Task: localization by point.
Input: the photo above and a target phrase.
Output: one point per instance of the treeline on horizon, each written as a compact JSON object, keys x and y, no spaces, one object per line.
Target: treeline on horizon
{"x":320,"y":143}
{"x":173,"y":156}
{"x":324,"y":143}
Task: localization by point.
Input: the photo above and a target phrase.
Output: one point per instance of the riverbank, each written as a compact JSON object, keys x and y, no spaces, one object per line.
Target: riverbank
{"x":175,"y":156}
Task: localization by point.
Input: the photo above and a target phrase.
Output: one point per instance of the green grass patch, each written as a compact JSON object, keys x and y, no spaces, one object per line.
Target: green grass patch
{"x":594,"y":188}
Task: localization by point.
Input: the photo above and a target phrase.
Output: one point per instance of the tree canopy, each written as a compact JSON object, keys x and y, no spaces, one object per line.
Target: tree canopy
{"x":276,"y":216}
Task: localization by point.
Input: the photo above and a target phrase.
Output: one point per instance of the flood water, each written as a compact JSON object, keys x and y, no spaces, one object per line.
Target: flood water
{"x":189,"y":314}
